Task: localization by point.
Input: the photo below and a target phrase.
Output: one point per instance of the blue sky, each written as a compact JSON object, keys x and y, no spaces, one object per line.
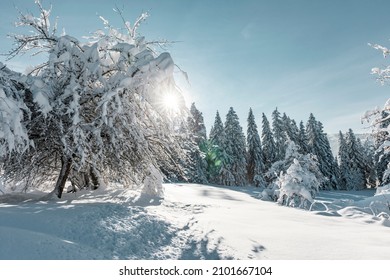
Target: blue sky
{"x":301,"y":56}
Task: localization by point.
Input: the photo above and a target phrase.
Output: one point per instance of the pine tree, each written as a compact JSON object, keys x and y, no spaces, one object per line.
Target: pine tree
{"x":255,"y":166}
{"x":215,"y":151}
{"x":280,"y":136}
{"x":294,"y":180}
{"x":269,"y":150}
{"x":343,"y":159}
{"x":236,"y":150}
{"x":196,"y":125}
{"x":369,"y":162}
{"x":290,"y":127}
{"x":318,"y":145}
{"x":196,"y":165}
{"x":355,"y":173}
{"x":302,"y":139}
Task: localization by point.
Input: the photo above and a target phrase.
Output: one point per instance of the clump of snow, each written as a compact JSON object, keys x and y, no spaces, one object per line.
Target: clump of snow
{"x":153,"y":183}
{"x":296,"y":186}
{"x":383,"y":190}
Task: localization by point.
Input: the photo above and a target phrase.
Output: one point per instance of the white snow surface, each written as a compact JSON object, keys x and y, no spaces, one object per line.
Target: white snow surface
{"x":193,"y":222}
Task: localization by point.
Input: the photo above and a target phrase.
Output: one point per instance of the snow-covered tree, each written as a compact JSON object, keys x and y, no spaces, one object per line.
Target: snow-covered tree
{"x":95,"y":110}
{"x":355,"y":176}
{"x":279,"y":133}
{"x":14,"y":114}
{"x":318,"y":145}
{"x":343,"y":159}
{"x":368,"y":149}
{"x":355,"y":163}
{"x":196,"y":125}
{"x":268,"y":143}
{"x":235,"y":148}
{"x":215,"y":151}
{"x":302,"y":139}
{"x":379,"y":119}
{"x":291,"y":129}
{"x":294,"y":180}
{"x":196,"y":164}
{"x":255,"y":166}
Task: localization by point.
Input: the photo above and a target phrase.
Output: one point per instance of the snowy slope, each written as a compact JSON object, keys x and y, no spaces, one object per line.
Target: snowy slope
{"x":192,"y":222}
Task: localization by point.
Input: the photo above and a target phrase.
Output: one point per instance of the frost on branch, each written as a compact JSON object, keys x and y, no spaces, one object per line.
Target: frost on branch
{"x":379,"y":119}
{"x":14,"y":115}
{"x":41,"y":35}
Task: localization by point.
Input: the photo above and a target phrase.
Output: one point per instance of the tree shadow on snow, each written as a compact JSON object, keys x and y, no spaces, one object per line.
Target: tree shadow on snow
{"x":68,"y":230}
{"x":204,"y":249}
{"x":62,"y":230}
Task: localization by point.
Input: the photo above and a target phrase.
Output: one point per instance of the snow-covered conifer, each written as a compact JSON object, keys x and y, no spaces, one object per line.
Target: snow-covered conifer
{"x":255,"y":166}
{"x":268,"y":143}
{"x":318,"y":145}
{"x":235,"y":148}
{"x":291,"y":128}
{"x":279,"y":133}
{"x":302,"y":139}
{"x":294,"y":180}
{"x":196,"y":125}
{"x":215,"y":151}
{"x":343,"y":159}
{"x":355,"y":173}
{"x":196,"y":147}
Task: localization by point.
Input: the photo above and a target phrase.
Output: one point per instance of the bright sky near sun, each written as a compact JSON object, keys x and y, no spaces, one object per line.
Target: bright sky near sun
{"x":301,"y":56}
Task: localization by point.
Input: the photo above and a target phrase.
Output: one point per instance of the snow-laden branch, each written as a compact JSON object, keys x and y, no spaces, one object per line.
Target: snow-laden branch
{"x":93,"y":112}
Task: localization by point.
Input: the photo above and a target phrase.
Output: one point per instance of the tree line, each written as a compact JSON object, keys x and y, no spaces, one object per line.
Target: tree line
{"x":232,"y":158}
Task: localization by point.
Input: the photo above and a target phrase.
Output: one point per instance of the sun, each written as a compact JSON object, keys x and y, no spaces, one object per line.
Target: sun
{"x":170,"y":102}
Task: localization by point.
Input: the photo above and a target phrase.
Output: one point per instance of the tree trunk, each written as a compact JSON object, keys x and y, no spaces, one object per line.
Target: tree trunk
{"x":66,"y":164}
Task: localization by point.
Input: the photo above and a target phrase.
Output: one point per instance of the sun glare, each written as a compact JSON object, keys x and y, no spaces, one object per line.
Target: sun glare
{"x":170,"y":102}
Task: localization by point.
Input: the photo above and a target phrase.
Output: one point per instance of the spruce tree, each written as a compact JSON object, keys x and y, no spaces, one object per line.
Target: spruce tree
{"x":291,"y":129}
{"x":280,"y":136}
{"x":343,"y":159}
{"x":236,"y":150}
{"x":196,"y":125}
{"x":302,"y":139}
{"x":268,"y":144}
{"x":215,"y":151}
{"x":369,"y":162}
{"x":193,"y":139}
{"x":318,"y":144}
{"x":255,"y":166}
{"x":355,"y":174}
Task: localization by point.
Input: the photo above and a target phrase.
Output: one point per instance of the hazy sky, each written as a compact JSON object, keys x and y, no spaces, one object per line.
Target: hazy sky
{"x":301,"y":56}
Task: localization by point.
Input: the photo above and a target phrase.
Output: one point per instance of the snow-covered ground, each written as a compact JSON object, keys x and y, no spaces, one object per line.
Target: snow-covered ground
{"x":193,"y":222}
